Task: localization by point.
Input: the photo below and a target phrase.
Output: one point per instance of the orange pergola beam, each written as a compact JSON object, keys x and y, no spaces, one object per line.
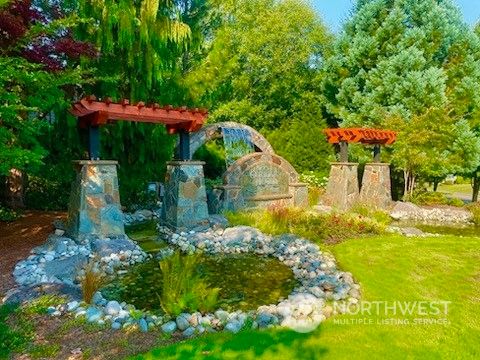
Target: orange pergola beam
{"x":361,"y":135}
{"x":91,"y":112}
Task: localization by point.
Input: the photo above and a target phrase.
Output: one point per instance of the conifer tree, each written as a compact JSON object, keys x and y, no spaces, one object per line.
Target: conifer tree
{"x":410,"y":65}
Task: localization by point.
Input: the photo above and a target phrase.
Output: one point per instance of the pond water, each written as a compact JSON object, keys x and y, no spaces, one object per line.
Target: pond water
{"x":146,"y":235}
{"x":246,"y":281}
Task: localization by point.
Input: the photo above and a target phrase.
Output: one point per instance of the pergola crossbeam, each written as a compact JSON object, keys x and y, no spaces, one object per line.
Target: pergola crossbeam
{"x":93,"y":114}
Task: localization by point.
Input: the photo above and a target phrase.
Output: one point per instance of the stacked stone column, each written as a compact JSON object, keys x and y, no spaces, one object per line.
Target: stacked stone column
{"x":185,"y":200}
{"x":376,"y":186}
{"x":94,"y":207}
{"x":342,"y":189}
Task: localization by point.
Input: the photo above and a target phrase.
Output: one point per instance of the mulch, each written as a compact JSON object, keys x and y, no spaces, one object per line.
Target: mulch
{"x":17,"y":238}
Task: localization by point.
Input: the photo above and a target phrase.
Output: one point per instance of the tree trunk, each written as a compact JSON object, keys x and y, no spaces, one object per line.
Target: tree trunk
{"x":435,"y":184}
{"x":406,"y":175}
{"x":412,"y":184}
{"x":476,"y":186}
{"x":15,"y":189}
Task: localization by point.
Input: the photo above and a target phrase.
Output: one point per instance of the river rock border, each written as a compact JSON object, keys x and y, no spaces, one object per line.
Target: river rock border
{"x":310,"y":303}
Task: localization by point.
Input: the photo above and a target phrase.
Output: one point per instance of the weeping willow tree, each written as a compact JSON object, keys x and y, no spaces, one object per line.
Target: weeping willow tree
{"x":138,"y":41}
{"x":140,"y":50}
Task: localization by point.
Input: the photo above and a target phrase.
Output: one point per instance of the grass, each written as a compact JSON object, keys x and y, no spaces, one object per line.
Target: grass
{"x":455,"y":188}
{"x":389,"y":268}
{"x":91,"y":281}
{"x":183,"y":289}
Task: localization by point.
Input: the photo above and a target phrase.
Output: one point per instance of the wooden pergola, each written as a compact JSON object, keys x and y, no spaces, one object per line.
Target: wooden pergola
{"x":375,"y":137}
{"x":92,"y":114}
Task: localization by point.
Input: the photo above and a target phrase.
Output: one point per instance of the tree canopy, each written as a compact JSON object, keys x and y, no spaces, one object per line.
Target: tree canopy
{"x":408,"y":65}
{"x":414,"y":66}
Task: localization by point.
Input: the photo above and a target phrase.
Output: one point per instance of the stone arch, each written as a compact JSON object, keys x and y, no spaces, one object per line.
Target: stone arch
{"x":214,"y":131}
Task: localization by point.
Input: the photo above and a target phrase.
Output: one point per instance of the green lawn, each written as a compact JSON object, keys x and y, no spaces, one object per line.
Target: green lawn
{"x":389,"y":268}
{"x":462,"y":191}
{"x":451,"y":188}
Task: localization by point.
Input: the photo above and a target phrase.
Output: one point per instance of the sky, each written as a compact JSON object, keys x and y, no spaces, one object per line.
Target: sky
{"x":334,"y":12}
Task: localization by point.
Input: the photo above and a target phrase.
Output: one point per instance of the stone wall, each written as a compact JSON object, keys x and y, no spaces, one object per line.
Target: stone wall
{"x":94,"y":207}
{"x":376,"y":186}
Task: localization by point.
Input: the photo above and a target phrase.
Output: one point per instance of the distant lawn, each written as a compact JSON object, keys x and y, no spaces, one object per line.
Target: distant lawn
{"x":389,"y":268}
{"x":465,"y":189}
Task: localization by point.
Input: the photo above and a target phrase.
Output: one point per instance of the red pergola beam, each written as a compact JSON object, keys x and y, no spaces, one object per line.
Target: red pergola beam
{"x":360,"y":135}
{"x":91,"y":112}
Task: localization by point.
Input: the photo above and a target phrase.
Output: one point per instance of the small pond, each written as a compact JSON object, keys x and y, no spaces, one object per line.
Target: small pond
{"x":246,"y":281}
{"x":146,"y":235}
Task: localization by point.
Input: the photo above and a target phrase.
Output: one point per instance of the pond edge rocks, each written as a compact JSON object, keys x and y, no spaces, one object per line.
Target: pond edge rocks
{"x":321,"y":283}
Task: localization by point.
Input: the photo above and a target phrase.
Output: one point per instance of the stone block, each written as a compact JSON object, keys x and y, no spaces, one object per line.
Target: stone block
{"x":342,"y":189}
{"x":94,"y":207}
{"x":299,"y":191}
{"x":376,"y":187}
{"x":185,"y":199}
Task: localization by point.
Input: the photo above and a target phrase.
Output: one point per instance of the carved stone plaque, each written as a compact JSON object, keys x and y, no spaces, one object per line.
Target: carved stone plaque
{"x":264,"y":179}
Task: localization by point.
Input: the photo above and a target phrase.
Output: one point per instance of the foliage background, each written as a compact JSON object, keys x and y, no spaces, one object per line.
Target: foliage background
{"x":412,"y":66}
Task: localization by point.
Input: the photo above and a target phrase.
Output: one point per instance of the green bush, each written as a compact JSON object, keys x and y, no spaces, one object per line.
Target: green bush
{"x":321,"y":228}
{"x":475,"y":210}
{"x":380,"y":216}
{"x":431,"y":198}
{"x":183,"y":288}
{"x":44,"y":193}
{"x":139,"y":198}
{"x":314,"y":179}
{"x":7,"y":214}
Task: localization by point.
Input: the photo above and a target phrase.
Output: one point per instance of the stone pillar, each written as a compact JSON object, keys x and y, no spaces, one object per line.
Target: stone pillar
{"x":376,"y":186}
{"x":342,"y":188}
{"x":185,"y":199}
{"x":299,"y":191}
{"x":94,"y":207}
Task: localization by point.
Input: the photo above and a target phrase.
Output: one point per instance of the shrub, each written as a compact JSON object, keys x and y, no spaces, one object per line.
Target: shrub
{"x":321,"y":228}
{"x":140,"y":198}
{"x":47,"y":194}
{"x":183,"y":288}
{"x":475,"y":210}
{"x":379,"y":215}
{"x":7,"y":214}
{"x":313,"y":179}
{"x":91,"y":281}
{"x":431,"y":198}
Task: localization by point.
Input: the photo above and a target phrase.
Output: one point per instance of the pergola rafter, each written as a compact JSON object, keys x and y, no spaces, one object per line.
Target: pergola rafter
{"x":344,"y":136}
{"x":92,"y":114}
{"x":360,"y":135}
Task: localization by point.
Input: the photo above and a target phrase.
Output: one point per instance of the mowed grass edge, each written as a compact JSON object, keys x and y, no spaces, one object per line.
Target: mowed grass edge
{"x":389,"y":268}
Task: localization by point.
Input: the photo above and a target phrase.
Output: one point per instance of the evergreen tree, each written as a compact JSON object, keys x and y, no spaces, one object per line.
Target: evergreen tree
{"x":409,"y":65}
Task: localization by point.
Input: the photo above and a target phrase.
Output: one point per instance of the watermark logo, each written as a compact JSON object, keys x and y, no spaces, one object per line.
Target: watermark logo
{"x":388,"y":313}
{"x":393,"y":313}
